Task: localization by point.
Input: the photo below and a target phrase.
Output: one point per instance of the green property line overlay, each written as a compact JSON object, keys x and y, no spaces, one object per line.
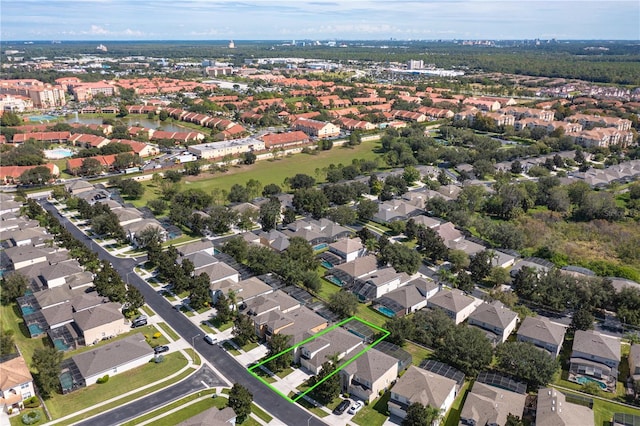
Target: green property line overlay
{"x":333,"y":327}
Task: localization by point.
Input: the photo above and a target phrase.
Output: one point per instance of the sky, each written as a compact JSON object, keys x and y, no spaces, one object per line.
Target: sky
{"x":319,"y":19}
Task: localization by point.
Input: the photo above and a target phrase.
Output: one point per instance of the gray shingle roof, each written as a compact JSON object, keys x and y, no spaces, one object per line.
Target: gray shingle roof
{"x":495,"y":314}
{"x":540,"y":328}
{"x":112,"y":355}
{"x":590,"y":342}
{"x":425,"y":387}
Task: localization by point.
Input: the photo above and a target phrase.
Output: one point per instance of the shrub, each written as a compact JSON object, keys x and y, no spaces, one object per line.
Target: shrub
{"x":157,"y":335}
{"x":103,"y":379}
{"x":32,"y":402}
{"x":31,"y":418}
{"x":158,"y":359}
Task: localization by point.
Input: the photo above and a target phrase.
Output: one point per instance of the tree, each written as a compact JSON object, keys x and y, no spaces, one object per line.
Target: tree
{"x":343,"y":303}
{"x":9,"y":119}
{"x":419,"y":415}
{"x":401,"y":257}
{"x":173,"y":176}
{"x":14,"y":285}
{"x":157,"y":206}
{"x":200,"y":296}
{"x":401,"y":328}
{"x":366,"y":209}
{"x":329,"y":389}
{"x":90,"y":166}
{"x":133,"y":299}
{"x":270,"y":214}
{"x":481,"y":264}
{"x":410,"y":175}
{"x":36,"y":175}
{"x":311,"y":281}
{"x":238,"y":194}
{"x":47,"y":362}
{"x":237,"y":248}
{"x":310,"y":200}
{"x":499,"y":276}
{"x":343,"y":215}
{"x":270,"y":190}
{"x":7,"y":344}
{"x":301,"y":181}
{"x":224,"y":313}
{"x":131,"y":188}
{"x":243,"y":330}
{"x":483,"y":168}
{"x":431,"y":327}
{"x":464,"y":282}
{"x":512,"y":419}
{"x":516,"y":167}
{"x":249,"y":157}
{"x":524,"y":361}
{"x":148,"y":236}
{"x":582,"y":320}
{"x":459,"y":260}
{"x":466,"y":348}
{"x":431,"y":244}
{"x":240,"y":399}
{"x":278,"y":344}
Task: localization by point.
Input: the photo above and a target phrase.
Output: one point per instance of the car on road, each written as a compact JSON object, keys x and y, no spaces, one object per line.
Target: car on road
{"x":342,"y":407}
{"x":210,"y":339}
{"x":161,"y":349}
{"x":356,"y":407}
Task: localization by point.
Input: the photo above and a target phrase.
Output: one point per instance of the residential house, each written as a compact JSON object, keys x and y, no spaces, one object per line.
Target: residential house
{"x":16,"y":384}
{"x":394,"y":210}
{"x":218,"y":271}
{"x":369,"y":375}
{"x":113,"y":358}
{"x":358,"y":268}
{"x":495,"y":319}
{"x":378,"y":283}
{"x":595,"y":356}
{"x":456,"y":304}
{"x":78,"y":186}
{"x":490,"y":405}
{"x":100,"y":322}
{"x":409,"y":298}
{"x":134,"y":229}
{"x":315,"y":128}
{"x":542,"y":333}
{"x":317,"y":231}
{"x":348,"y":248}
{"x":424,"y":387}
{"x":337,"y":342}
{"x":244,"y":290}
{"x":204,"y":245}
{"x":57,"y":274}
{"x":285,"y":140}
{"x":553,"y":409}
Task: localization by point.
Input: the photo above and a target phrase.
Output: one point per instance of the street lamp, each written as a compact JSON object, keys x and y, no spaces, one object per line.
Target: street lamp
{"x":193,"y":340}
{"x":309,"y":419}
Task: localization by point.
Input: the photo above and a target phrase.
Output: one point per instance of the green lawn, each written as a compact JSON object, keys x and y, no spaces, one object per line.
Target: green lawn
{"x":284,"y":373}
{"x":374,"y":317}
{"x":172,"y":334}
{"x":17,"y":420}
{"x":270,"y":171}
{"x":418,"y":353}
{"x":260,"y":413}
{"x":194,"y":356}
{"x":453,"y":417}
{"x":603,"y":411}
{"x":249,"y":346}
{"x":205,"y":326}
{"x":62,"y":405}
{"x":327,"y":289}
{"x":374,"y":414}
{"x":147,"y":310}
{"x":231,"y":349}
{"x":11,"y":319}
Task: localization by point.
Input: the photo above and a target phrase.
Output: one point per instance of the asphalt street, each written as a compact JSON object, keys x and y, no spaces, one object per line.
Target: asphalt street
{"x":286,"y":412}
{"x":127,"y":412}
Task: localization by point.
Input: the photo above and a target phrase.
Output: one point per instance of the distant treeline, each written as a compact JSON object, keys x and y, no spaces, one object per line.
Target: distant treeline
{"x":615,"y":62}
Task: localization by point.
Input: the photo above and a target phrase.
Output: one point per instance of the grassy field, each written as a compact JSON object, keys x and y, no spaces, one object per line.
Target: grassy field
{"x":172,"y":334}
{"x":11,"y":319}
{"x":62,"y":405}
{"x":269,"y":171}
{"x":17,"y":420}
{"x":418,"y":353}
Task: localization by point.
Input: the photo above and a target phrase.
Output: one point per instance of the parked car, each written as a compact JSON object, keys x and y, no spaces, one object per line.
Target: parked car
{"x":341,"y":408}
{"x":161,"y":349}
{"x":210,"y":339}
{"x":139,"y":322}
{"x":356,"y":407}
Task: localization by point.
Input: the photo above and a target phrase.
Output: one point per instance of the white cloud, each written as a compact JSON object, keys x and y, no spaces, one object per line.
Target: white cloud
{"x":98,"y":30}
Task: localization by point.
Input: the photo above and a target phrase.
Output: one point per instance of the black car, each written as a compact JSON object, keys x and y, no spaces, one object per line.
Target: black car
{"x":342,"y":407}
{"x":161,"y":349}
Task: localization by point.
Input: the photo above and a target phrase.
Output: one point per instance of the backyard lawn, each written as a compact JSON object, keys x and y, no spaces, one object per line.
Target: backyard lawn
{"x":374,"y":414}
{"x":62,"y":405}
{"x":11,"y":319}
{"x":418,"y":353}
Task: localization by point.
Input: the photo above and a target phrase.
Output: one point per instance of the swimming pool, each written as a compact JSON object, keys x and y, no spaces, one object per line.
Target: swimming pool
{"x":58,"y":153}
{"x":386,"y":311}
{"x":66,"y":381}
{"x":41,"y":118}
{"x":321,"y":246}
{"x":35,"y":330}
{"x":583,"y":379}
{"x":334,"y":280}
{"x":27,"y":309}
{"x":326,"y":264}
{"x":60,"y":345}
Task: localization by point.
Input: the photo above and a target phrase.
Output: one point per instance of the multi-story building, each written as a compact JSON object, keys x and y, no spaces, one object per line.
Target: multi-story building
{"x":318,"y":129}
{"x":42,"y":95}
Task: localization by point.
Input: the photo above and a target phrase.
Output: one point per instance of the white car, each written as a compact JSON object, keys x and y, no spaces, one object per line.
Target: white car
{"x":210,"y":339}
{"x":356,"y":407}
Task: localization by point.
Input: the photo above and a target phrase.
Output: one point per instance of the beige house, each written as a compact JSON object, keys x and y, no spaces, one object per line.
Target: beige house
{"x":554,"y":410}
{"x":16,"y":384}
{"x":424,"y":387}
{"x":490,"y":405}
{"x":457,"y":305}
{"x":319,"y":129}
{"x":100,"y":322}
{"x":495,"y":319}
{"x":369,"y":375}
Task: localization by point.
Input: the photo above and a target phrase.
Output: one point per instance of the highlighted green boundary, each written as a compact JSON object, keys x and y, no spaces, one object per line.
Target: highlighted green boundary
{"x":384,"y":332}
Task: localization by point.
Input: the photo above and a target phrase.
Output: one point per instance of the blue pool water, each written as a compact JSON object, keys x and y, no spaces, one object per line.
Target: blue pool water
{"x":326,"y":264}
{"x":41,"y":118}
{"x":320,"y":247}
{"x":58,"y":153}
{"x":66,"y":381}
{"x":27,"y":309}
{"x":60,"y":345}
{"x":386,"y":311}
{"x":334,"y":280}
{"x":582,"y":380}
{"x":35,"y":330}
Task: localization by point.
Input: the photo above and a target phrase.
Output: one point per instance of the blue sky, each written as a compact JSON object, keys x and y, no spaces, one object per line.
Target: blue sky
{"x":318,"y":19}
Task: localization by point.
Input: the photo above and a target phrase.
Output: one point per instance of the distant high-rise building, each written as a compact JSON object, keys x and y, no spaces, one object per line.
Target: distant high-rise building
{"x":415,"y":65}
{"x":232,"y":45}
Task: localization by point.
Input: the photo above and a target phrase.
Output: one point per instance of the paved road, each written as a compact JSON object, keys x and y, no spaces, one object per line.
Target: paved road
{"x":286,"y":412}
{"x":124,"y":413}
